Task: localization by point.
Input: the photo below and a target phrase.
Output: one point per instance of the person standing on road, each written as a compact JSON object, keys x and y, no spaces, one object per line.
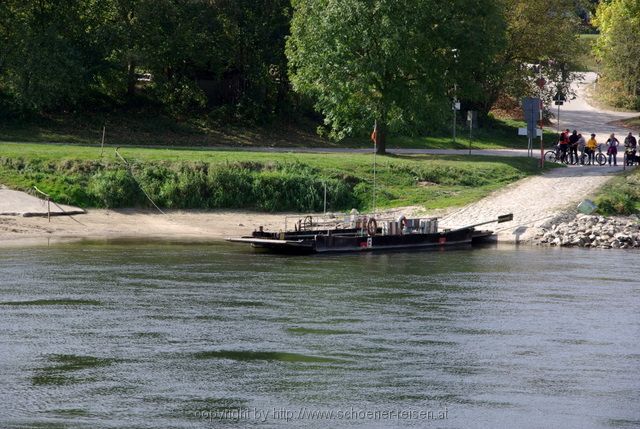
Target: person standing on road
{"x":563,"y":144}
{"x":573,"y":147}
{"x":590,"y":148}
{"x":630,"y":145}
{"x":581,"y":147}
{"x":612,"y":150}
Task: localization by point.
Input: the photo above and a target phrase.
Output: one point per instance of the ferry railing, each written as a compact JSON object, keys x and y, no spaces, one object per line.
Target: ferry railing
{"x":316,"y":222}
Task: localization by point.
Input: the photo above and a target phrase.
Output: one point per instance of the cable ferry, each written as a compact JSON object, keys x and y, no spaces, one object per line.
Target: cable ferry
{"x":365,"y":233}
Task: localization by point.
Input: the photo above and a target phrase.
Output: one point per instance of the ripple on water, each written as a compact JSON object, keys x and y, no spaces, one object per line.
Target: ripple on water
{"x":52,"y":301}
{"x":249,"y":355}
{"x":65,"y":368}
{"x":319,"y":331}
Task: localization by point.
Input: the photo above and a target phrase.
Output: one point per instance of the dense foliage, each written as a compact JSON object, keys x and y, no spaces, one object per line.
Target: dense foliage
{"x":399,"y":62}
{"x":225,"y":55}
{"x":540,"y":33}
{"x":618,"y":48}
{"x":267,"y":187}
{"x":396,"y":62}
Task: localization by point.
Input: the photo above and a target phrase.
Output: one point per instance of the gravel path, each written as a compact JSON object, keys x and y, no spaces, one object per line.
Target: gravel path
{"x":533,"y":201}
{"x":578,"y":114}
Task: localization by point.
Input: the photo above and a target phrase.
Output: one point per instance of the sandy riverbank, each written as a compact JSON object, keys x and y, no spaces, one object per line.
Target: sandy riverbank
{"x":138,"y":224}
{"x":130,"y":223}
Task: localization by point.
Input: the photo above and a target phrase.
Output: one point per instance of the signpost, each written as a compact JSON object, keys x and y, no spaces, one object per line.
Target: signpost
{"x":455,"y":106}
{"x":559,"y":100}
{"x":532,"y":114}
{"x":472,"y":118}
{"x":541,"y":82}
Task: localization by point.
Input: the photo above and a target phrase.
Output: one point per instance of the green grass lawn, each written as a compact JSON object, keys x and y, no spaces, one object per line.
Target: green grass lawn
{"x":202,"y":178}
{"x":137,"y":129}
{"x":499,"y":134}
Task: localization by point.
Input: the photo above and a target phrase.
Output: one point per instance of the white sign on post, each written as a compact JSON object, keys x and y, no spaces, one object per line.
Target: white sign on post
{"x":523,"y":132}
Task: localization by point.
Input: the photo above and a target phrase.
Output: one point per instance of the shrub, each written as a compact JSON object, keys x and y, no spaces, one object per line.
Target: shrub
{"x":230,"y":187}
{"x":616,"y":203}
{"x":114,"y":188}
{"x":186,"y":189}
{"x":248,"y":185}
{"x":279,"y":190}
{"x":340,"y":195}
{"x":153,"y":177}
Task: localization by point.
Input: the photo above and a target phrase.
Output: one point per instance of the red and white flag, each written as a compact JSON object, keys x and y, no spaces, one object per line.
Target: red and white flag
{"x":374,"y":134}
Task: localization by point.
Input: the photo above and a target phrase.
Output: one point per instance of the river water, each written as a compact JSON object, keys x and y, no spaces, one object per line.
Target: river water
{"x":156,"y":335}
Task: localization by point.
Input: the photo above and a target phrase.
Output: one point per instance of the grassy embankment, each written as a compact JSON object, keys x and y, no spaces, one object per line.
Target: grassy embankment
{"x":621,"y":196}
{"x":632,"y":123}
{"x":192,"y":178}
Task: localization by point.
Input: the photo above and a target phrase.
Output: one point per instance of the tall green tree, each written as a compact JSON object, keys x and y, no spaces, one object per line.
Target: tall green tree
{"x":476,"y":28}
{"x":398,"y":63}
{"x":538,"y":32}
{"x":618,"y":48}
{"x":49,"y":54}
{"x":364,"y":61}
{"x":58,"y":55}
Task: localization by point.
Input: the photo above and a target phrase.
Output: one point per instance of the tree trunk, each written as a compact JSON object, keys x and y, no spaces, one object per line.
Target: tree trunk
{"x":381,"y":133}
{"x":381,"y":140}
{"x":131,"y":78}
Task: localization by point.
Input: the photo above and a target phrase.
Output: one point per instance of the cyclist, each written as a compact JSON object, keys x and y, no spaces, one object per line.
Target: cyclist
{"x":590,"y":148}
{"x":630,"y":145}
{"x":563,"y":144}
{"x":573,"y":146}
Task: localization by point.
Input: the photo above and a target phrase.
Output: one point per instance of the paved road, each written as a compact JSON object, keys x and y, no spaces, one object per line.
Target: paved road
{"x":578,"y":114}
{"x":491,"y":152}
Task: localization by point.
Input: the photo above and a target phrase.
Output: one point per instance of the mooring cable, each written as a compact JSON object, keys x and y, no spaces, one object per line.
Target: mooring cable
{"x":38,"y":191}
{"x":524,"y":224}
{"x":71,"y":216}
{"x":130,"y":170}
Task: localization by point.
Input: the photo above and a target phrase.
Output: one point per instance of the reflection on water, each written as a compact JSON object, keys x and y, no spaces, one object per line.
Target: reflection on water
{"x":171,"y":335}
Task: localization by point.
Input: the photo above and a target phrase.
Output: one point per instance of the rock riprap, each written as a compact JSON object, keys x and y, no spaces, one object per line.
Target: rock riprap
{"x":592,"y":231}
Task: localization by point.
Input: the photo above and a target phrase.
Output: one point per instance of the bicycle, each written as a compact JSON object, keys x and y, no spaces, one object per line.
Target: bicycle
{"x":629,"y":158}
{"x":598,"y":158}
{"x":556,"y":156}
